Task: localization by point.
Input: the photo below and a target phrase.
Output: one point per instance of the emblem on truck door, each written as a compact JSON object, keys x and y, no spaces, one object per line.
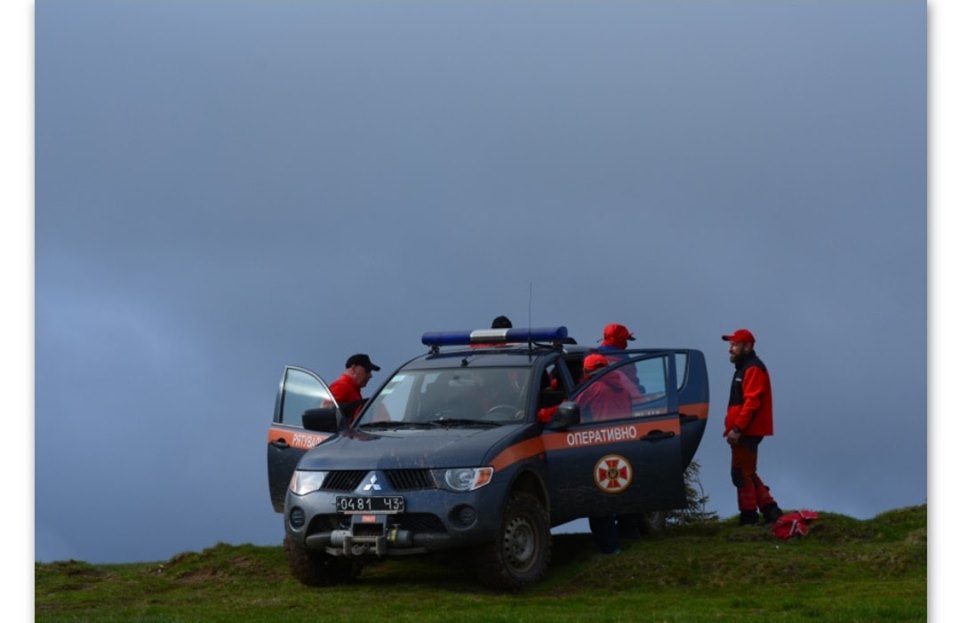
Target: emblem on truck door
{"x":613,"y":473}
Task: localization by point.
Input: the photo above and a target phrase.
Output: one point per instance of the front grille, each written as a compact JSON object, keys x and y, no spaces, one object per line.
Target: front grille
{"x":411,"y":479}
{"x":347,"y":480}
{"x":400,"y":479}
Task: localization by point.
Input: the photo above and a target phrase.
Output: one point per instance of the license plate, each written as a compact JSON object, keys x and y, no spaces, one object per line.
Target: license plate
{"x":370,"y":504}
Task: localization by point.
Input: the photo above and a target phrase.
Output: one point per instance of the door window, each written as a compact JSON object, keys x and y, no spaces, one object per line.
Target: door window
{"x":629,"y":387}
{"x":302,"y":391}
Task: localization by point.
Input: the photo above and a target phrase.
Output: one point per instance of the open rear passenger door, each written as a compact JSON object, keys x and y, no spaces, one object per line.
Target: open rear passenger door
{"x":633,"y":460}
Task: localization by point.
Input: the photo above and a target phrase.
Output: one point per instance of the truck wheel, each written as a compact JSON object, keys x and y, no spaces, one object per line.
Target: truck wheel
{"x":520,"y":554}
{"x":317,"y":569}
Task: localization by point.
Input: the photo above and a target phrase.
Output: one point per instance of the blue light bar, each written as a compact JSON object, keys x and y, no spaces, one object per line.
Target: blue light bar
{"x":493,"y":336}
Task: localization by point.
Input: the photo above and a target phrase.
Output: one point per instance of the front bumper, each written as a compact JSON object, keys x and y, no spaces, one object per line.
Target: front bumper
{"x":433,"y":520}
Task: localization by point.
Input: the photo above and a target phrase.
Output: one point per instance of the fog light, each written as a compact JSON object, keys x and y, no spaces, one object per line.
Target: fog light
{"x":463,"y":516}
{"x":297,"y":517}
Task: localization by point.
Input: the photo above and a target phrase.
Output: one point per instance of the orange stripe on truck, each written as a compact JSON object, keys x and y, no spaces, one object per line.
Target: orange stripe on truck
{"x":296,"y":438}
{"x":698,"y":409}
{"x":623,"y":432}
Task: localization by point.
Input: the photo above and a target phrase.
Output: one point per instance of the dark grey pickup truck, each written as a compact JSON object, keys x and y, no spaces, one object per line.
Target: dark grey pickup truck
{"x":482,"y":444}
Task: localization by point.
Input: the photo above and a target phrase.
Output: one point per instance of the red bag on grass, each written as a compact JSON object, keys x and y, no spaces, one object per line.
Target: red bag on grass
{"x":793,"y":524}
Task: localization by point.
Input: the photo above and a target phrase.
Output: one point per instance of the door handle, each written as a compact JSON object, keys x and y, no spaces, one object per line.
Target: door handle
{"x":280,"y":443}
{"x":657,"y":435}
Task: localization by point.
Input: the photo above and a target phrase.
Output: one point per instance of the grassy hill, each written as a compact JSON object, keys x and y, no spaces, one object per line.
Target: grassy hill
{"x":844,"y":570}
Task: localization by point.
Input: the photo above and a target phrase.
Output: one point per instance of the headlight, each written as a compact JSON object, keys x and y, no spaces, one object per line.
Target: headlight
{"x":467,"y":478}
{"x":304,"y":482}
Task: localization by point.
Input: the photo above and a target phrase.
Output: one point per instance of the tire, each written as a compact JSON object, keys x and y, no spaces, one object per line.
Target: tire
{"x":521,"y":552}
{"x":317,"y":569}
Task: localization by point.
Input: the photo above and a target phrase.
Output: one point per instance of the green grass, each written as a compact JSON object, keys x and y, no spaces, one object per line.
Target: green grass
{"x":844,"y":570}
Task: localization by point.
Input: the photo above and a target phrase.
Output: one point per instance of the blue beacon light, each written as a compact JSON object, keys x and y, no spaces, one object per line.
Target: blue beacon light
{"x":493,"y":336}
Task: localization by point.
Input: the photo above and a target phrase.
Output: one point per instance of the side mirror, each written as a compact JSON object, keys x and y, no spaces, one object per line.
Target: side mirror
{"x":568,"y":414}
{"x":321,"y":419}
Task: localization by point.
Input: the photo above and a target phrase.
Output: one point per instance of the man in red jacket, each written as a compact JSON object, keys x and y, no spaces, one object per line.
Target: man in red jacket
{"x":749,"y":419}
{"x":346,"y":389}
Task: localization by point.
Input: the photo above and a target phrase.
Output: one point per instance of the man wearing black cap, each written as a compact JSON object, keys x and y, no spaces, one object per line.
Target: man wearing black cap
{"x":346,"y":389}
{"x":501,"y":322}
{"x":749,"y":419}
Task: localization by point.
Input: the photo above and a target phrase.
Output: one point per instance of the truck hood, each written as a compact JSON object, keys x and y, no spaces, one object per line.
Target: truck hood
{"x":410,"y":448}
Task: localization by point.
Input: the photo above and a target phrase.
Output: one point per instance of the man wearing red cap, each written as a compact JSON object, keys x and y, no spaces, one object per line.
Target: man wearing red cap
{"x":346,"y":389}
{"x":615,"y":337}
{"x":749,"y":419}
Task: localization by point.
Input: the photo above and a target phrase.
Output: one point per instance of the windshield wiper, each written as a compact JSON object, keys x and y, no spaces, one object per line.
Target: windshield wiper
{"x":447,"y":422}
{"x":389,"y":425}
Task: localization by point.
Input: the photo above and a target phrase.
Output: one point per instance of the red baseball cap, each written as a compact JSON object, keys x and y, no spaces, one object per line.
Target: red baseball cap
{"x":740,"y":335}
{"x":594,"y":362}
{"x":617,"y":334}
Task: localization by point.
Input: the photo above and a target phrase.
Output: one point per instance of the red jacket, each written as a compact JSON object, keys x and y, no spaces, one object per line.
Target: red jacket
{"x":751,"y":400}
{"x":347,"y":394}
{"x":607,"y":399}
{"x":345,"y":390}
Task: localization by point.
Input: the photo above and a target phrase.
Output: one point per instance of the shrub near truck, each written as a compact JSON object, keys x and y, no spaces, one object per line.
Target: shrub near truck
{"x":478,"y":445}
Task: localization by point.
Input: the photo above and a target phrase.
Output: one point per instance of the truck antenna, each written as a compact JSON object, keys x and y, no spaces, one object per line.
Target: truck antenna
{"x":530,"y":314}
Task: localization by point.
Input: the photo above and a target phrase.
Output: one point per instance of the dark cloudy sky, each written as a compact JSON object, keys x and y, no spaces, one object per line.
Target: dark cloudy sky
{"x":225,"y":188}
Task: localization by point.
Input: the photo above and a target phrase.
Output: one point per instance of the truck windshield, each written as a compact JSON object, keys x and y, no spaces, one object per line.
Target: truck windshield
{"x":496,"y":395}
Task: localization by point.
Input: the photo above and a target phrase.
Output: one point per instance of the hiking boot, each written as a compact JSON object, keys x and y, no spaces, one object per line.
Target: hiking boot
{"x":749,"y":518}
{"x":771,"y":513}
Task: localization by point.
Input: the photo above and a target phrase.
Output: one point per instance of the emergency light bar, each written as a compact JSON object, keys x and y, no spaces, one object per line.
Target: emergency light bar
{"x":493,"y":336}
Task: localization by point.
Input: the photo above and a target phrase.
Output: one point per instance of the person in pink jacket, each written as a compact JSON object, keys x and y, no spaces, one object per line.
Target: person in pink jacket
{"x":606,"y":399}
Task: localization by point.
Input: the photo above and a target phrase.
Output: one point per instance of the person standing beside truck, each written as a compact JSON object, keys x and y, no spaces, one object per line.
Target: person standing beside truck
{"x":749,"y":419}
{"x":606,"y":399}
{"x":616,"y":337}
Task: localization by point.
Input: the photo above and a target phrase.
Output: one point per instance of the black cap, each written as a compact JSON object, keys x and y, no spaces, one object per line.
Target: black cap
{"x":362,"y":360}
{"x":501,"y":322}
